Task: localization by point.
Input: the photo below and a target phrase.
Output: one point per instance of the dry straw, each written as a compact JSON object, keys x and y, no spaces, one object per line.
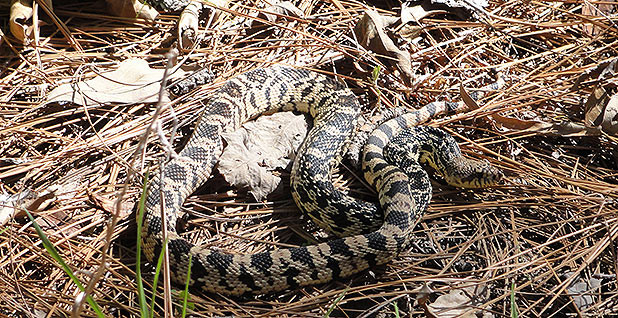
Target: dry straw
{"x":521,"y":246}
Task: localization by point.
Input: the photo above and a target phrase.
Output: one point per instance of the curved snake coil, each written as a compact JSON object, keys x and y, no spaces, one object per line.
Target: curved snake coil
{"x":335,"y":112}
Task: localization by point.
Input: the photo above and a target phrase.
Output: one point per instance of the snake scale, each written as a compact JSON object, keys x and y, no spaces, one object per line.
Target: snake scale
{"x":364,"y":240}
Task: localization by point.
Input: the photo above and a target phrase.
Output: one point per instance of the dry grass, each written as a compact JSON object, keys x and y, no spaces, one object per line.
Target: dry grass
{"x":554,"y":214}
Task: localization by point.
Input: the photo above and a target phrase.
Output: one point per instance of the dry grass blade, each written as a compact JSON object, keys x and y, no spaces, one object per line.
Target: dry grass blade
{"x":539,"y":240}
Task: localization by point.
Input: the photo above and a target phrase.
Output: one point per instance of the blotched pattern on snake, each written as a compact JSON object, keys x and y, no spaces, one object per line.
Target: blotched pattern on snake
{"x":364,"y":240}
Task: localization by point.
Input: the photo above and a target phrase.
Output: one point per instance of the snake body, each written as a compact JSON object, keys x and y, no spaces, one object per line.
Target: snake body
{"x":335,"y":111}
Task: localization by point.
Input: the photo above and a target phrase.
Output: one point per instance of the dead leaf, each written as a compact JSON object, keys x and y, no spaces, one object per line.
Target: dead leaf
{"x":461,"y":8}
{"x":583,"y":290}
{"x":409,"y":32}
{"x":416,"y":12}
{"x":260,"y":147}
{"x":454,"y":304}
{"x":21,"y":13}
{"x":188,"y":26}
{"x":371,"y":34}
{"x":132,"y":82}
{"x":132,"y":9}
{"x":595,"y":107}
{"x":602,"y":111}
{"x":423,"y":293}
{"x":285,"y":8}
{"x":107,"y":203}
{"x":610,"y":116}
{"x":272,"y":14}
{"x":502,"y":121}
{"x":564,"y":129}
{"x":596,"y":10}
{"x":12,"y":206}
{"x":603,"y":71}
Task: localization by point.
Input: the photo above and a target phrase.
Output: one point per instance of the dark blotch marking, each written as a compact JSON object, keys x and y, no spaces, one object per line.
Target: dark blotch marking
{"x":153,"y":194}
{"x":333,"y":265}
{"x":376,"y":241}
{"x":283,"y":91}
{"x":221,"y":262}
{"x":198,"y":270}
{"x":301,"y":255}
{"x":380,"y":166}
{"x":431,"y":109}
{"x":175,"y":172}
{"x":154,"y":225}
{"x":307,"y":91}
{"x":291,"y":273}
{"x":397,"y":187}
{"x":247,"y":279}
{"x":399,"y":219}
{"x":340,"y":247}
{"x":233,"y":89}
{"x":451,"y":106}
{"x":179,"y":247}
{"x":217,"y":107}
{"x":257,"y":76}
{"x":267,"y":92}
{"x":371,"y":155}
{"x":387,"y":130}
{"x":262,"y":262}
{"x":199,"y":154}
{"x":426,"y":147}
{"x":373,"y":140}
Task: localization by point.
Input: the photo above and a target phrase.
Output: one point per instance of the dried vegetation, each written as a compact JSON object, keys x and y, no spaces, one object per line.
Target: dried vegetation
{"x":543,"y":243}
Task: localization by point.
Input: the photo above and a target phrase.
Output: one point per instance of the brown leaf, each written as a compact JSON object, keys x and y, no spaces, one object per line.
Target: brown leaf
{"x":502,"y":121}
{"x":596,"y":10}
{"x":423,"y":293}
{"x":409,"y":31}
{"x":107,"y":203}
{"x":602,"y":111}
{"x":595,"y":107}
{"x":12,"y":206}
{"x":603,"y":71}
{"x":272,"y":14}
{"x":132,"y":9}
{"x":21,"y":12}
{"x":564,"y":129}
{"x":371,"y":34}
{"x":285,"y":8}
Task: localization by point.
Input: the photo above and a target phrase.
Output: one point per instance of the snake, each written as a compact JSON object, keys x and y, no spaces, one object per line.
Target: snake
{"x":364,"y":240}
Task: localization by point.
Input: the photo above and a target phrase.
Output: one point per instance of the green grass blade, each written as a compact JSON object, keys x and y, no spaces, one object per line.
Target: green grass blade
{"x":186,"y":294}
{"x":54,"y":253}
{"x":514,"y":313}
{"x":143,"y":305}
{"x":339,"y":298}
{"x":156,"y":277}
{"x":396,"y":309}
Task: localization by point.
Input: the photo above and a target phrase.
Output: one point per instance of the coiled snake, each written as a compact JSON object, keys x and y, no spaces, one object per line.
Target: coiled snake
{"x":335,"y":112}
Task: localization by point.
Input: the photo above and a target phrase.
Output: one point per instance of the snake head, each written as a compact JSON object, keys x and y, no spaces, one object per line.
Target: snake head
{"x":470,"y":173}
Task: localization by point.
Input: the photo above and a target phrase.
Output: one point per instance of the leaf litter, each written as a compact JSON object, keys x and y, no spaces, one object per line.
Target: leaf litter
{"x":542,"y":243}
